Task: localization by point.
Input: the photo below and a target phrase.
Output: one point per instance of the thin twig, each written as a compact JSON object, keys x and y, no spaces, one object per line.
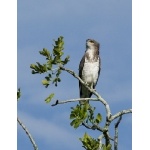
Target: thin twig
{"x":74,"y":100}
{"x":28,"y":134}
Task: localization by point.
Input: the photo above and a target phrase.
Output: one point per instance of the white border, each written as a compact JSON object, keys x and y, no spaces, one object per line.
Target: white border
{"x":140,"y":73}
{"x":8,"y":74}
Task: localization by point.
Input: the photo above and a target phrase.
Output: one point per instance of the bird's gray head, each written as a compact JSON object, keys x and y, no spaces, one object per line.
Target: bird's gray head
{"x":90,"y":43}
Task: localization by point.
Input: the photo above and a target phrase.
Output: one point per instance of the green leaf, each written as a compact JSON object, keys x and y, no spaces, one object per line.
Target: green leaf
{"x":89,"y":143}
{"x":104,"y":147}
{"x":85,"y":116}
{"x":45,"y":52}
{"x":39,"y":64}
{"x":77,"y":123}
{"x":73,"y":122}
{"x":47,"y":78}
{"x":45,"y":82}
{"x":56,"y":42}
{"x":44,"y":68}
{"x":49,"y":65}
{"x":34,"y":72}
{"x":108,"y":147}
{"x":65,"y":61}
{"x":49,"y":98}
{"x":32,"y":66}
{"x":98,"y":118}
{"x":72,"y":116}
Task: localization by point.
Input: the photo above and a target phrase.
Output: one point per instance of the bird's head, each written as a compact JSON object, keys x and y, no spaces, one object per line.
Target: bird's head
{"x":90,"y":43}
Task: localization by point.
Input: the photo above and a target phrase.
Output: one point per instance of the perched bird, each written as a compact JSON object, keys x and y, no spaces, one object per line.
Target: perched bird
{"x":89,"y":68}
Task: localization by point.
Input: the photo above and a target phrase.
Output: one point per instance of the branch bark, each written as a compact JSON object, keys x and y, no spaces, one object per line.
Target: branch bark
{"x":74,"y":100}
{"x":120,"y":113}
{"x":116,"y":133}
{"x":100,"y":141}
{"x":28,"y":134}
{"x":92,"y":127}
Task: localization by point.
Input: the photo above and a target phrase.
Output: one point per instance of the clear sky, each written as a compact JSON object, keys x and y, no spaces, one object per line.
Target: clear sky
{"x":39,"y":22}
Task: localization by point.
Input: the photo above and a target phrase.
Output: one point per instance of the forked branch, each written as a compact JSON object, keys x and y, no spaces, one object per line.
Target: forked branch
{"x":108,"y":112}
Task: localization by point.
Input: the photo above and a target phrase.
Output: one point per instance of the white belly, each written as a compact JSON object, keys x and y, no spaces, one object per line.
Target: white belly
{"x":90,"y":72}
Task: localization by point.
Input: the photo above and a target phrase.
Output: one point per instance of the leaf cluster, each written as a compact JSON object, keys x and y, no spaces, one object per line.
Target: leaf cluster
{"x":84,"y":113}
{"x":108,"y":147}
{"x":52,"y":66}
{"x":94,"y":120}
{"x":53,"y":61}
{"x":78,"y":114}
{"x":89,"y":143}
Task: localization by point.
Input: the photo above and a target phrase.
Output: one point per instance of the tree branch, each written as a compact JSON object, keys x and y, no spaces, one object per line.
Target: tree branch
{"x":100,"y":141}
{"x":93,"y":127}
{"x":108,"y":112}
{"x":116,"y":133}
{"x":97,"y":128}
{"x":107,"y":139}
{"x":28,"y":134}
{"x":74,"y":100}
{"x":109,"y":117}
{"x":120,"y":114}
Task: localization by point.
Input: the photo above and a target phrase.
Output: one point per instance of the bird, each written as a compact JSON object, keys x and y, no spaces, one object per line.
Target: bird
{"x":89,"y":68}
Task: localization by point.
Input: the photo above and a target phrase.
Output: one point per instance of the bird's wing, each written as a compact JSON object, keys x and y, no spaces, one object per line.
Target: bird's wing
{"x":81,"y":65}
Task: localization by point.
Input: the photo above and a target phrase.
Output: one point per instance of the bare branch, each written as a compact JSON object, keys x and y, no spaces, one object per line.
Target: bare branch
{"x":91,"y":90}
{"x":110,"y":137}
{"x":28,"y":134}
{"x":116,"y":133}
{"x":100,"y":141}
{"x":107,"y":139}
{"x":117,"y":124}
{"x":120,"y":114}
{"x":87,"y":126}
{"x":74,"y":100}
{"x":93,"y":127}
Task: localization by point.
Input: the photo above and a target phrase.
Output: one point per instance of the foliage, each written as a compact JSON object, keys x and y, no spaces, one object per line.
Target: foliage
{"x":84,"y":114}
{"x":78,"y":114}
{"x":89,"y":143}
{"x":49,"y":98}
{"x":51,"y":67}
{"x":108,"y":147}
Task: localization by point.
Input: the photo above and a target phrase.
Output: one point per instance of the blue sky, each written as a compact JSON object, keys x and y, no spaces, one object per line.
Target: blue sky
{"x":39,"y":22}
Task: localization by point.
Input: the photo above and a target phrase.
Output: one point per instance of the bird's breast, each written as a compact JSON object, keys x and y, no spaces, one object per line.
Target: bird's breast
{"x":90,"y":72}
